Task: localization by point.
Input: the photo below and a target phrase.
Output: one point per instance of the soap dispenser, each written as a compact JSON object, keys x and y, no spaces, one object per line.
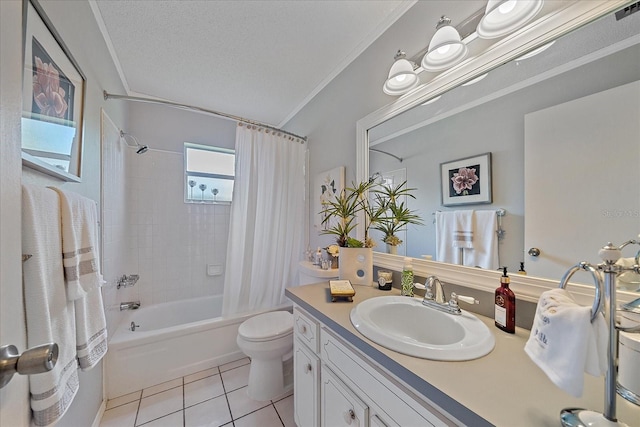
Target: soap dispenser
{"x":407,"y":278}
{"x":505,"y":305}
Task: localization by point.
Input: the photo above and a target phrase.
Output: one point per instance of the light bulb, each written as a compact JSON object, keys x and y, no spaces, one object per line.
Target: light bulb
{"x":444,"y":49}
{"x":401,"y":78}
{"x":507,"y":7}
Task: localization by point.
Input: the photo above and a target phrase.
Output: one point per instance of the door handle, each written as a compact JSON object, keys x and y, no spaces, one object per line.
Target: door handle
{"x":33,"y":361}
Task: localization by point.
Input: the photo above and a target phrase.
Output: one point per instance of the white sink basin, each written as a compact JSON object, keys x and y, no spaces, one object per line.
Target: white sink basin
{"x":404,"y":325}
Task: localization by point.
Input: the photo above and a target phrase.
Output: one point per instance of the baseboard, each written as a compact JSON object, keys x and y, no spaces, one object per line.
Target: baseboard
{"x":98,"y":418}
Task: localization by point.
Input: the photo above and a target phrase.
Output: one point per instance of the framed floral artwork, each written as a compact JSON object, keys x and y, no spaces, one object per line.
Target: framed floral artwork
{"x":466,"y":181}
{"x":326,"y":186}
{"x":53,"y":93}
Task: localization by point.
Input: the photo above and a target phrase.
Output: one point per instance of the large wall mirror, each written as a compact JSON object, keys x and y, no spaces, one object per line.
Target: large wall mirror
{"x":548,"y":121}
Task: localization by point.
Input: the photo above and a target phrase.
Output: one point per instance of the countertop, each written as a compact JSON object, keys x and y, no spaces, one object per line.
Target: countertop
{"x":504,"y":388}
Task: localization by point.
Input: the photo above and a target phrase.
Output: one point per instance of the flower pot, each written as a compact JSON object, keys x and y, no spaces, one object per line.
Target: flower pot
{"x":356,"y":265}
{"x":392,"y":249}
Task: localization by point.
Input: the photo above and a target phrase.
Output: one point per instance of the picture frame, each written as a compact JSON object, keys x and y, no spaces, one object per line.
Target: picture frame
{"x":466,"y":181}
{"x":53,"y":98}
{"x":326,"y":186}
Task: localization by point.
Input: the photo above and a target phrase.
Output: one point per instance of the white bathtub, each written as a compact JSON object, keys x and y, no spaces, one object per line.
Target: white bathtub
{"x":171,"y":340}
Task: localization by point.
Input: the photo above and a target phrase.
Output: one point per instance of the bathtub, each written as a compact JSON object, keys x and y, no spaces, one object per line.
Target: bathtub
{"x":171,"y":340}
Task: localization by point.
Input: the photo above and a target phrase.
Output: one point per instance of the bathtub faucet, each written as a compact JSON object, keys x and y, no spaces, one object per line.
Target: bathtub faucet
{"x":130,"y":305}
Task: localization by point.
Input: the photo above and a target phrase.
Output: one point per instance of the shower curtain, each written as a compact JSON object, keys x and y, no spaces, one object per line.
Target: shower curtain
{"x":267,"y":219}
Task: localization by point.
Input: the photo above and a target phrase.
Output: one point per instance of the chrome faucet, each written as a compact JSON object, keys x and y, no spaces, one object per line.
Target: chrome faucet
{"x":434,"y":297}
{"x":129,"y":305}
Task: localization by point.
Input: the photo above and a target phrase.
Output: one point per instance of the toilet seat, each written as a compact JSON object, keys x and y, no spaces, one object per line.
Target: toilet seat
{"x":267,"y":326}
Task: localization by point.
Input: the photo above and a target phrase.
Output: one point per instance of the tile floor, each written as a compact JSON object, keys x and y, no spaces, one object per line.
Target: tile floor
{"x":214,"y":397}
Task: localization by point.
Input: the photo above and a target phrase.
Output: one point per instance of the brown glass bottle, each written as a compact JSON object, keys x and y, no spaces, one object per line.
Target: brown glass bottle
{"x":505,"y":305}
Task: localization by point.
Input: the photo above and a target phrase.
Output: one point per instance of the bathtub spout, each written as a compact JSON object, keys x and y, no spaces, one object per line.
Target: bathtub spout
{"x":130,"y":305}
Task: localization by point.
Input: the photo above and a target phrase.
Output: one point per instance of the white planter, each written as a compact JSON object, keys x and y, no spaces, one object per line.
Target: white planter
{"x":392,"y":249}
{"x":356,"y":265}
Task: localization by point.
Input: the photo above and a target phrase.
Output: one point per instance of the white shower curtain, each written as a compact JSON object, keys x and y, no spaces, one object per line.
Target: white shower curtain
{"x":267,"y":220}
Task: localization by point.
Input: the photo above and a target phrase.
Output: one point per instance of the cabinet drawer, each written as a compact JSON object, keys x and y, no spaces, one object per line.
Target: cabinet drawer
{"x":375,"y":387}
{"x":339,"y":405}
{"x":305,"y":329}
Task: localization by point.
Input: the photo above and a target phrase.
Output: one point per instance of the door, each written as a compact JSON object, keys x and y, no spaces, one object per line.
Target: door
{"x":306,"y":386}
{"x":14,"y":397}
{"x":340,"y":406}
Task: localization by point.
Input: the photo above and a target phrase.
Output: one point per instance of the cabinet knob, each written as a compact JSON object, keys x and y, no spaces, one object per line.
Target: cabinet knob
{"x":308,"y":368}
{"x":349,"y":416}
{"x":534,"y":252}
{"x":303,"y":329}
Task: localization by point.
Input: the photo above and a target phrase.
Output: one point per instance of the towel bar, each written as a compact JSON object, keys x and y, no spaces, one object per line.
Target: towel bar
{"x":597,"y":280}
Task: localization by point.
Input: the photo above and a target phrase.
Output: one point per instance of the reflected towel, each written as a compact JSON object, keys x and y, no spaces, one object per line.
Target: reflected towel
{"x":445,"y":227}
{"x":485,"y":247}
{"x":564,"y":342}
{"x":463,"y":229}
{"x":50,"y":315}
{"x":79,"y":243}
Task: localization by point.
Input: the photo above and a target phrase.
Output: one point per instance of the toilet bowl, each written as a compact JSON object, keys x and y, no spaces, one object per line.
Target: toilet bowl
{"x":268,"y":340}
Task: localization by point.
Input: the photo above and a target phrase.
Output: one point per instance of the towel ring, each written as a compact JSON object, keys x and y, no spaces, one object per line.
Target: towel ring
{"x":597,"y":281}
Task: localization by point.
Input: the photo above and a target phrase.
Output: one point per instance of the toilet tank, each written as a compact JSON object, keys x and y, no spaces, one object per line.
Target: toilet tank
{"x":310,"y":273}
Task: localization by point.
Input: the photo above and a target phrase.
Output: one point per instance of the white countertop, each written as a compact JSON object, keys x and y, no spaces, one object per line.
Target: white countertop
{"x":504,"y":388}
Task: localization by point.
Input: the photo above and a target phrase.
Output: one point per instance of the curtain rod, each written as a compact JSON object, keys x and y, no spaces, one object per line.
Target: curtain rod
{"x":197,"y":109}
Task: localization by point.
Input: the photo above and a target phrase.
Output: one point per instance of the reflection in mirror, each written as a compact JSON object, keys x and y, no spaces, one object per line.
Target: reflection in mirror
{"x":548,"y":121}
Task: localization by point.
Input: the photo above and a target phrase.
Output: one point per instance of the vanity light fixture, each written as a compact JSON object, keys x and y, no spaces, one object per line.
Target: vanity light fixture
{"x":446,"y":48}
{"x":534,"y":52}
{"x":505,"y":16}
{"x":476,"y":80}
{"x":402,"y":76}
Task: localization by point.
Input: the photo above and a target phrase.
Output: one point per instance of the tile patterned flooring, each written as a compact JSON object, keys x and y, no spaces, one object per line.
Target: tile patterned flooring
{"x":214,"y":397}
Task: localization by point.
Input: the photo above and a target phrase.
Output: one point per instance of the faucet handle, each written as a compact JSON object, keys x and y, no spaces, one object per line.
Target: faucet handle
{"x":469,"y":300}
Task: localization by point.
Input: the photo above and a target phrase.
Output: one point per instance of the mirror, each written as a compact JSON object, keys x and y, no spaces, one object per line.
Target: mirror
{"x":53,"y":91}
{"x":500,"y":114}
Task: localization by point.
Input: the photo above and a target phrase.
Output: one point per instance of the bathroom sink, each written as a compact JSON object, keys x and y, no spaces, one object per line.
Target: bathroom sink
{"x":404,"y":325}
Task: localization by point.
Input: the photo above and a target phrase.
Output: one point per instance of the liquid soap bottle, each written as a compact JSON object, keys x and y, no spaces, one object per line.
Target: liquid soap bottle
{"x":407,"y":278}
{"x":505,"y":306}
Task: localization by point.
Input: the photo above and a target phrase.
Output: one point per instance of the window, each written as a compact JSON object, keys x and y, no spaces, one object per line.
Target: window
{"x":209,"y":173}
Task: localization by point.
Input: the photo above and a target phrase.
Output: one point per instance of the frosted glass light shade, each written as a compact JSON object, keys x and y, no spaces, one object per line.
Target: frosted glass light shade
{"x":402,"y":78}
{"x":445,"y":50}
{"x":503,"y":17}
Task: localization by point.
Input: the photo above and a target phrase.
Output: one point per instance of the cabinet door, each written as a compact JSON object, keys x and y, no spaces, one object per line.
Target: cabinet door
{"x":306,"y":378}
{"x":340,"y":406}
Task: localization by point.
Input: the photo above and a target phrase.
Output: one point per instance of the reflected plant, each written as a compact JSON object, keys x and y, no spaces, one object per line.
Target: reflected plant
{"x":202,"y":187}
{"x":192,"y":184}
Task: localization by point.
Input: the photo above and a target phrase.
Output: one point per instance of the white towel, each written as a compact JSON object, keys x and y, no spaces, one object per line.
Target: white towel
{"x":82,"y":275}
{"x":445,"y":227}
{"x":484,"y":253}
{"x":564,"y":342}
{"x":463,"y":229}
{"x":79,"y":244}
{"x":50,"y":315}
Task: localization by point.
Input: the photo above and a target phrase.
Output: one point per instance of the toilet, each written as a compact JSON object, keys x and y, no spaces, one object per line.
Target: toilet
{"x":268,"y":340}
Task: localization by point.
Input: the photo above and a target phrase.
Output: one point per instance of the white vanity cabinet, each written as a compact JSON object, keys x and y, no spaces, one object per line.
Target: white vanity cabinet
{"x":350,"y":390}
{"x":306,"y":376}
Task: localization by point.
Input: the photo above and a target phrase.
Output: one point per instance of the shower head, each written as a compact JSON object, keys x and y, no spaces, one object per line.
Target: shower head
{"x":141,"y":149}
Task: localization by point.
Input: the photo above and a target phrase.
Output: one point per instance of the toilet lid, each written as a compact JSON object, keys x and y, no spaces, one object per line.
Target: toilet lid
{"x":267,"y":326}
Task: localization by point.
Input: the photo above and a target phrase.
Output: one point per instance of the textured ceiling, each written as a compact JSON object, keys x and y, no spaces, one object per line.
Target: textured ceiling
{"x":262,"y":60}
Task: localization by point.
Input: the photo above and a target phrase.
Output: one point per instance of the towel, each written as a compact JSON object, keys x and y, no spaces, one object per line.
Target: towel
{"x":79,"y":244}
{"x":445,"y":227}
{"x":564,"y":342}
{"x":484,"y":253}
{"x":82,"y":275}
{"x":463,"y":229}
{"x":49,"y":314}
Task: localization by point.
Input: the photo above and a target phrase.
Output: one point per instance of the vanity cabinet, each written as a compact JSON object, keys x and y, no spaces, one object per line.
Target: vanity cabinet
{"x":350,"y":390}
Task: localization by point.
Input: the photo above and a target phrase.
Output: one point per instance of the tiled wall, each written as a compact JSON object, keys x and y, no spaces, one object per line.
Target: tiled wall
{"x":170,"y":242}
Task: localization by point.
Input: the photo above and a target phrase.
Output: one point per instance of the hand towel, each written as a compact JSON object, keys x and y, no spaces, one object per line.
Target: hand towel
{"x":79,"y":243}
{"x":50,"y":315}
{"x":445,"y":227}
{"x":564,"y":342}
{"x":82,"y":275}
{"x":463,"y":229}
{"x":484,"y":253}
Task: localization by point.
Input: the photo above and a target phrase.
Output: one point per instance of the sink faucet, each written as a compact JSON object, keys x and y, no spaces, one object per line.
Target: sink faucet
{"x":130,"y":305}
{"x":434,"y":297}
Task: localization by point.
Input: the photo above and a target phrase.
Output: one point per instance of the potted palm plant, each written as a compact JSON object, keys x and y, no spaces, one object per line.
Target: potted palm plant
{"x":392,"y":214}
